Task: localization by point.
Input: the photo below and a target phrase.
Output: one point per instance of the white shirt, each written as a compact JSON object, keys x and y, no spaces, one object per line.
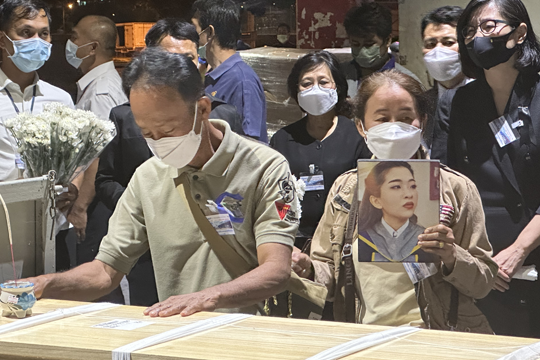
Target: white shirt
{"x":101,"y":90}
{"x":391,"y":231}
{"x":45,"y":93}
{"x":443,"y":90}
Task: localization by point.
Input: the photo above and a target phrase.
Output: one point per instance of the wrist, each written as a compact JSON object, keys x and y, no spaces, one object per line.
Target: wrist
{"x":450,"y":261}
{"x":45,"y":281}
{"x":214,"y":296}
{"x":522,"y":250}
{"x":79,"y":208}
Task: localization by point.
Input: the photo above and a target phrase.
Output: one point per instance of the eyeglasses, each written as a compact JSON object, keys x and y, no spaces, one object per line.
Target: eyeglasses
{"x":325,"y":84}
{"x":486,"y":27}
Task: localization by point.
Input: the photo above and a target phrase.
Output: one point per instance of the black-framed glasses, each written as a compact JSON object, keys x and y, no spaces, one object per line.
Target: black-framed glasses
{"x":486,"y":27}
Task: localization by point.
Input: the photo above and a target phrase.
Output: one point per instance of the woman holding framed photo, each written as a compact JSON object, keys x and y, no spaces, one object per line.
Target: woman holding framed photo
{"x":391,"y":108}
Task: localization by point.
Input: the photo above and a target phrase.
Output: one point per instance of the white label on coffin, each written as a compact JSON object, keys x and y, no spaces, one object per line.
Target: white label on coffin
{"x":123,"y":324}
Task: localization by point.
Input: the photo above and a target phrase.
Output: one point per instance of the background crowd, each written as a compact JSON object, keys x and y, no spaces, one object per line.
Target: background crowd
{"x":485,"y":61}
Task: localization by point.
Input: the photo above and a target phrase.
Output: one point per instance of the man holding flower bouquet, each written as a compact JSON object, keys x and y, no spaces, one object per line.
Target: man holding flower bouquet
{"x":243,"y":188}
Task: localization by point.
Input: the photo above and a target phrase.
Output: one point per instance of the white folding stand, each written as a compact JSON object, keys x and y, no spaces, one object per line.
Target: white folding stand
{"x":38,"y":245}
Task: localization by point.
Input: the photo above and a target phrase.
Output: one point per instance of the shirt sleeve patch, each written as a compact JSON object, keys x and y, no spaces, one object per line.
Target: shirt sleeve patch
{"x":282,"y":209}
{"x":286,"y":189}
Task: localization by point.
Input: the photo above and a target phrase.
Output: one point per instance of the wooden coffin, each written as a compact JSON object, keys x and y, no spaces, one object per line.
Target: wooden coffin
{"x":253,"y":338}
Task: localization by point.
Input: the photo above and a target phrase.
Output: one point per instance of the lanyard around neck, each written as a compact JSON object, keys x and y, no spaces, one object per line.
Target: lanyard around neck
{"x":15,"y":106}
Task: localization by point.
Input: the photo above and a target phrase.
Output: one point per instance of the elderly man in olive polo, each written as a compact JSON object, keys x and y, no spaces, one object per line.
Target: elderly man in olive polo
{"x":244,"y":189}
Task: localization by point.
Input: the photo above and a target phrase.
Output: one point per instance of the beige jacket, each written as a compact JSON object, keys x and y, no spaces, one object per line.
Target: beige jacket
{"x":474,"y":271}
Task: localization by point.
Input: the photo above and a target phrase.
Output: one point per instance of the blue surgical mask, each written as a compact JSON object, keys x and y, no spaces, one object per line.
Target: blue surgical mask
{"x":29,"y":54}
{"x":71,"y":53}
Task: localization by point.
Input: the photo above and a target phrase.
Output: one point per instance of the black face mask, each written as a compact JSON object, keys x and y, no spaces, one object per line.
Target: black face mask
{"x":487,"y":52}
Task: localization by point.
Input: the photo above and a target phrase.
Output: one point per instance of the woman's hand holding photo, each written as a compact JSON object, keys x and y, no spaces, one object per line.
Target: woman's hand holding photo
{"x":439,"y":240}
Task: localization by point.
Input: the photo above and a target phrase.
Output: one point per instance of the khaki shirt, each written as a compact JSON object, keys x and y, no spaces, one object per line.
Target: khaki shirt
{"x":473,"y":274}
{"x":151,"y":214}
{"x":396,"y":307}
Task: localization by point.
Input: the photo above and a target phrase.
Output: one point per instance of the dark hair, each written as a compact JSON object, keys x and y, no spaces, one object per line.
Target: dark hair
{"x":371,"y":18}
{"x":391,"y":77}
{"x":513,"y":11}
{"x":224,"y":16}
{"x":15,"y":10}
{"x":448,"y":15}
{"x":155,"y":67}
{"x":311,"y":61}
{"x":286,"y":26}
{"x":369,"y":215}
{"x":176,"y":28}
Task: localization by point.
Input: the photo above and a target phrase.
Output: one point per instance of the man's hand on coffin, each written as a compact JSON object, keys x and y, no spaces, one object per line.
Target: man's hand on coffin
{"x":439,"y":240}
{"x":65,"y":201}
{"x":39,"y":284}
{"x":185,"y":305}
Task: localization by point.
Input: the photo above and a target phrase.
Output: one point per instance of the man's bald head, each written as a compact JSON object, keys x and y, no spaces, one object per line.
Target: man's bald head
{"x":100,"y":29}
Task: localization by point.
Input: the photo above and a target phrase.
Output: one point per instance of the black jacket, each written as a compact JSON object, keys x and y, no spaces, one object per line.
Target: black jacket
{"x":440,"y":126}
{"x":473,"y":150}
{"x":129,"y":150}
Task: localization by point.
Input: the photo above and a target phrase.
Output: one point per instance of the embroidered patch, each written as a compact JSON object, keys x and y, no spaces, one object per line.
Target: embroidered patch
{"x":214,"y":93}
{"x":282,"y":209}
{"x":231,"y":204}
{"x":446,"y":214}
{"x":286,"y":189}
{"x":292,"y":217}
{"x":341,"y":202}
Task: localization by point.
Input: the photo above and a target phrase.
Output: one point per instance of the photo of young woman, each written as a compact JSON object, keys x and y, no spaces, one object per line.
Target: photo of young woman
{"x":388,"y":228}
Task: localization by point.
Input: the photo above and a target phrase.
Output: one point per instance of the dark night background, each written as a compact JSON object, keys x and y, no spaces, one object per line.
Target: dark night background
{"x":140,"y":10}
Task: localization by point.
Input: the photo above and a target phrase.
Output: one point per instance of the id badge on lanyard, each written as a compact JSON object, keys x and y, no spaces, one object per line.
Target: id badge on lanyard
{"x":314,"y":179}
{"x":18,"y":161}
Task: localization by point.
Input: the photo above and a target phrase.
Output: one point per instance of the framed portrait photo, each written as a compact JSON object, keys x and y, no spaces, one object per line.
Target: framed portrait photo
{"x":397,"y":200}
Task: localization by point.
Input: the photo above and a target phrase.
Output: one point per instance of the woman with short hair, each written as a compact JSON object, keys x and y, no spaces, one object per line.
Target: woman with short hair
{"x":322,"y":145}
{"x":494,"y":139}
{"x":391,"y":110}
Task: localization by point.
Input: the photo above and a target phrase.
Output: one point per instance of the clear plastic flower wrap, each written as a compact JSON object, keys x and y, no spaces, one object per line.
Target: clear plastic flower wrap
{"x":60,"y":139}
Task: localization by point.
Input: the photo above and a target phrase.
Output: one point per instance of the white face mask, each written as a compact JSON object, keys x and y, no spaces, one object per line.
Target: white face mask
{"x":443,"y":64}
{"x":71,"y":53}
{"x":317,"y":101}
{"x":177,"y":151}
{"x":393,"y":140}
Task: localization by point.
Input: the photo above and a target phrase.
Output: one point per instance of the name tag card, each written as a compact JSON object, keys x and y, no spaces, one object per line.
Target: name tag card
{"x":504,"y":132}
{"x":222,"y":223}
{"x":313,"y":182}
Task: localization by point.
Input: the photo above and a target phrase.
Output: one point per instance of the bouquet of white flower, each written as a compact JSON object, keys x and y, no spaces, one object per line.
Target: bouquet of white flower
{"x":60,"y":139}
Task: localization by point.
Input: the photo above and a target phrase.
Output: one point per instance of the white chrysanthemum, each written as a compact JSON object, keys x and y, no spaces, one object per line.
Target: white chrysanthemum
{"x":60,"y":138}
{"x":300,"y":188}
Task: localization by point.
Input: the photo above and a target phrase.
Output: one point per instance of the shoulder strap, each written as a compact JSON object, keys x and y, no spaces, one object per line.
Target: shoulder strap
{"x":229,"y":258}
{"x":346,"y":258}
{"x":235,"y":264}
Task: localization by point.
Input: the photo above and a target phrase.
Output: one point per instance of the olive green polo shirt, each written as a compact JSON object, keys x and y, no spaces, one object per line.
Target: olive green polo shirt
{"x":244,"y":178}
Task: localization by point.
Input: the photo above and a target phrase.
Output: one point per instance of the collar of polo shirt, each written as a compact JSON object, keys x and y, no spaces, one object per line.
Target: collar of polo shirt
{"x":220,"y":161}
{"x":5,"y":82}
{"x":94,"y":74}
{"x":225,"y":66}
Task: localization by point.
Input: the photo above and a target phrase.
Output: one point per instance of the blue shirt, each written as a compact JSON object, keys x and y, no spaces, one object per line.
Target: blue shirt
{"x":237,"y":84}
